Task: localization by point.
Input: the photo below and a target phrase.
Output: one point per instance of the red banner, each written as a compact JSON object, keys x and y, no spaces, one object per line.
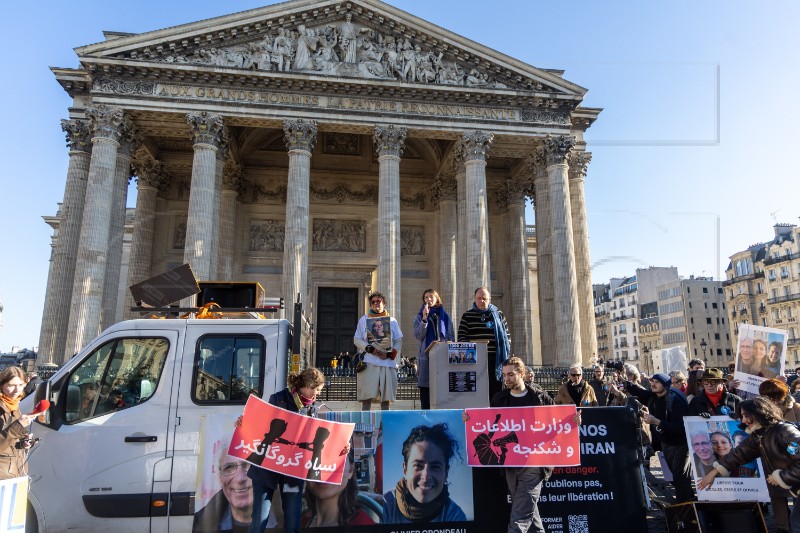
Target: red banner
{"x":291,"y":444}
{"x":523,"y":436}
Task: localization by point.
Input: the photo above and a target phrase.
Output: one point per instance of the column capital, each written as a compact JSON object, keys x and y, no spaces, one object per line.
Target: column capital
{"x":206,"y":128}
{"x":151,"y":173}
{"x":537,"y":163}
{"x":300,"y":134}
{"x":233,"y":178}
{"x":79,"y":135}
{"x":129,"y":138}
{"x":389,"y":141}
{"x":476,"y":145}
{"x":557,"y":149}
{"x":445,"y":189}
{"x":106,"y":121}
{"x":578,"y":163}
{"x":513,"y":192}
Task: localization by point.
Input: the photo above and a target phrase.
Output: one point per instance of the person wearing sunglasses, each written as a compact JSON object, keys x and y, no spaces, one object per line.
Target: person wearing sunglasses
{"x":576,"y":390}
{"x":378,"y":335}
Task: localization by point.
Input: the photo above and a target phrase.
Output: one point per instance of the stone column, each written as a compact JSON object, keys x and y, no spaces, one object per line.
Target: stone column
{"x":512,"y":199}
{"x":300,"y":137}
{"x":568,"y":333}
{"x":465,"y":295}
{"x":55,"y":317}
{"x":476,"y":146}
{"x":207,"y":135}
{"x":151,"y":178}
{"x":445,"y":197}
{"x":231,"y":185}
{"x":219,"y":174}
{"x":583,"y":268}
{"x":389,"y":145}
{"x":128,"y":144}
{"x":544,"y":256}
{"x":90,"y":269}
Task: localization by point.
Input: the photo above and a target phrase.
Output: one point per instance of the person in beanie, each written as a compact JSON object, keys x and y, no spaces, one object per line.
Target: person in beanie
{"x":713,"y":399}
{"x":664,"y":411}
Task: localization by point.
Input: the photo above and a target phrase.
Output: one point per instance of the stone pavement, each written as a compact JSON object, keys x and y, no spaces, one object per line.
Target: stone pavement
{"x":661,"y":493}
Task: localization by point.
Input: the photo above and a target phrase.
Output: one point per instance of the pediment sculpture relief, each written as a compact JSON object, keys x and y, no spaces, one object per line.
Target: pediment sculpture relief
{"x":341,"y":49}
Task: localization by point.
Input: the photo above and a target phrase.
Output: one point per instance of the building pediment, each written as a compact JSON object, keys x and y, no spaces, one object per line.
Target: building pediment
{"x":355,"y":40}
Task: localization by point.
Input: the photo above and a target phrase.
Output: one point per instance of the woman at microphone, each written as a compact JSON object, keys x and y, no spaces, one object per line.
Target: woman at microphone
{"x":432,"y":323}
{"x":14,"y":434}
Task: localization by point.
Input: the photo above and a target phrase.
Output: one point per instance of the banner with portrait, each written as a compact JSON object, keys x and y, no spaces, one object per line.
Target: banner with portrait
{"x":290,"y":443}
{"x":715,"y":437}
{"x":379,"y":333}
{"x":523,"y":436}
{"x":760,"y":355}
{"x":462,"y":353}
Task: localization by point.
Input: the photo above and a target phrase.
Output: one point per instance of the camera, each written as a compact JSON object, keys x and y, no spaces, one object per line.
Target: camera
{"x":26,"y":442}
{"x":616,"y":365}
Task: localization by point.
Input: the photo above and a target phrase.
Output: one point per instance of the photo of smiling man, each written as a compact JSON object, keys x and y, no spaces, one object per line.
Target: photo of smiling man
{"x":426,"y":457}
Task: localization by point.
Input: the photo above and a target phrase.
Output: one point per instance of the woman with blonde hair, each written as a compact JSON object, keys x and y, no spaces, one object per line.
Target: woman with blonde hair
{"x":14,"y":429}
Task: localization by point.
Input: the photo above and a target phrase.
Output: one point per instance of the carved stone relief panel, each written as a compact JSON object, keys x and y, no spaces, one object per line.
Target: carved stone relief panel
{"x":330,"y":235}
{"x":412,"y":240}
{"x":266,"y":236}
{"x":179,"y":236}
{"x":337,"y":143}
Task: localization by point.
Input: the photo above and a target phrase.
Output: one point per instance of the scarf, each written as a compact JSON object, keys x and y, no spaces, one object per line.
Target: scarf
{"x":13,"y":404}
{"x":500,"y":337}
{"x":436,"y":316}
{"x":415,"y":511}
{"x":715,"y":398}
{"x":576,"y":391}
{"x":373,"y":315}
{"x":304,"y":404}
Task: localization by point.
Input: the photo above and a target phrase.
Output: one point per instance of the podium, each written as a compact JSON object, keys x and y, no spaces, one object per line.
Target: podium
{"x":459,"y":377}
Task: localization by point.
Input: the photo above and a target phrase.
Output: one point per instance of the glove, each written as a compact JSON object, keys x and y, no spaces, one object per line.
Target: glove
{"x":705,"y":415}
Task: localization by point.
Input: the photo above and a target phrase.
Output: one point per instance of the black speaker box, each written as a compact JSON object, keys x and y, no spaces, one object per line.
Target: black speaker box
{"x":713,"y":517}
{"x":231,"y":294}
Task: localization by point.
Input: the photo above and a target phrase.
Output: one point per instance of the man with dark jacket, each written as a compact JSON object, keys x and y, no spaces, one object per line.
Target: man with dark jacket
{"x":524,"y":483}
{"x":665,"y":410}
{"x":713,"y":399}
{"x":599,"y":385}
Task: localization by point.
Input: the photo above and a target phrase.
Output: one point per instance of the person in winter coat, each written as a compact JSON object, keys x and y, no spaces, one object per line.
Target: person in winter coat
{"x":712,"y":399}
{"x":432,"y":323}
{"x":14,"y":442}
{"x":776,"y":442}
{"x":576,"y":390}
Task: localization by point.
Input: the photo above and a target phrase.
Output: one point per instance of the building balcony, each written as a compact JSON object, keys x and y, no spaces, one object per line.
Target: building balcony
{"x":784,"y":298}
{"x":791,"y":319}
{"x":775,"y":260}
{"x":739,"y":279}
{"x":793,"y":341}
{"x":734,"y":313}
{"x":779,"y":321}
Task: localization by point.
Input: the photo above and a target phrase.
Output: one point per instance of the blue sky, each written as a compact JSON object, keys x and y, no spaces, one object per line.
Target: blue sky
{"x":698,"y":120}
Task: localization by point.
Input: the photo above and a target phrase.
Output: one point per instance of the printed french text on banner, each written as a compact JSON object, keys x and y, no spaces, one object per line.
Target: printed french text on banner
{"x":523,"y":436}
{"x":292,"y":444}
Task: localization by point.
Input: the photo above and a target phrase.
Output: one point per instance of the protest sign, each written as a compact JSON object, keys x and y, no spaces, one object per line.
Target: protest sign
{"x":760,"y":355}
{"x":289,"y":443}
{"x":13,"y":502}
{"x":712,"y":438}
{"x":523,"y":436}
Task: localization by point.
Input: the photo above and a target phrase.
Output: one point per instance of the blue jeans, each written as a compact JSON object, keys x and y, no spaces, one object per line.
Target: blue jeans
{"x":292,"y":504}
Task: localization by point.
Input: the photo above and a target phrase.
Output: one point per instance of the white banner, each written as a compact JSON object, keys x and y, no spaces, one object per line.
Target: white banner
{"x":712,"y":438}
{"x":13,"y":501}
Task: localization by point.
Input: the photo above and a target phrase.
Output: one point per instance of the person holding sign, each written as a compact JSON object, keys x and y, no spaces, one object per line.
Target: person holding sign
{"x":378,"y":335}
{"x":299,"y":397}
{"x":776,"y":442}
{"x":432,"y":323}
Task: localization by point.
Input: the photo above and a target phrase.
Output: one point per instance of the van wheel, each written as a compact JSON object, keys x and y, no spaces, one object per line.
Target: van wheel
{"x":31,"y":524}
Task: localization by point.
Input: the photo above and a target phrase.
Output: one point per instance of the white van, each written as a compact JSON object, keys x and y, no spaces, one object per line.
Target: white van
{"x":119,"y":450}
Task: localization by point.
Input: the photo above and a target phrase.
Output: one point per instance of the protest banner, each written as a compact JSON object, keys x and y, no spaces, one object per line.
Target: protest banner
{"x":289,"y":443}
{"x":523,"y":436}
{"x":712,"y":438}
{"x":760,"y":355}
{"x":13,"y":502}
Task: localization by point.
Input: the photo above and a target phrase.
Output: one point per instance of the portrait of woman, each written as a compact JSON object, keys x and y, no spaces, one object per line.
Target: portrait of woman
{"x":379,"y":333}
{"x":329,"y":505}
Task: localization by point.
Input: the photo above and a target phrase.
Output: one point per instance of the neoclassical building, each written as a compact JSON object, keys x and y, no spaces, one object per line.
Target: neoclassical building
{"x":324,"y":149}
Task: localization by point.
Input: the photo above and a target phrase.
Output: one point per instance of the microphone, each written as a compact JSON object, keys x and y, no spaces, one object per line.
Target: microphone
{"x":41,"y":407}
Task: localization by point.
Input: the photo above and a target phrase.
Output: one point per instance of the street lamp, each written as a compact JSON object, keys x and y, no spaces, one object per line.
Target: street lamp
{"x":703,"y":345}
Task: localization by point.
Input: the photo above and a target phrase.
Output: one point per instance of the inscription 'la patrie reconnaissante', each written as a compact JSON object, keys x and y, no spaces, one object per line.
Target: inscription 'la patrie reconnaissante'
{"x":334,"y":102}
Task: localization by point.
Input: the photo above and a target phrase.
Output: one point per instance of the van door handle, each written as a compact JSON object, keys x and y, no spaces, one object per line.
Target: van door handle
{"x":143,"y":438}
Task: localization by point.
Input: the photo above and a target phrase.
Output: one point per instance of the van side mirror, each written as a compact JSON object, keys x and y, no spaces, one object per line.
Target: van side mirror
{"x":42,"y":392}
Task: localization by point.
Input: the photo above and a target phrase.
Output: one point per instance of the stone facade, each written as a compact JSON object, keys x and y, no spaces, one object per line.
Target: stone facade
{"x":318,"y":144}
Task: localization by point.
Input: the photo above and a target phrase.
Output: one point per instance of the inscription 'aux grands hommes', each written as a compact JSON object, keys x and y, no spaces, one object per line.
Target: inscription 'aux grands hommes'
{"x":334,"y":102}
